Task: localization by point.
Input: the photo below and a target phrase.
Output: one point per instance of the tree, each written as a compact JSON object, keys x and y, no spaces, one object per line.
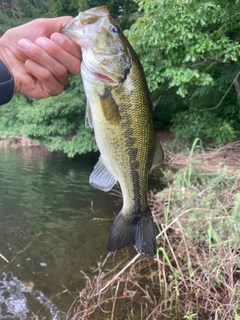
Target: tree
{"x":123,"y":10}
{"x":192,"y":48}
{"x":56,"y":122}
{"x":16,"y":12}
{"x":190,"y":52}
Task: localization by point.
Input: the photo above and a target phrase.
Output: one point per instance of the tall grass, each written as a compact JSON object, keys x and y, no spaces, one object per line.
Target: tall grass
{"x":196,"y":274}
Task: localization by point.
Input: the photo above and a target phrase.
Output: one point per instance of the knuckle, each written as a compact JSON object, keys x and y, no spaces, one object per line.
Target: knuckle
{"x":46,"y":75}
{"x":75,"y":67}
{"x":58,"y":90}
{"x":62,"y":71}
{"x":53,"y":91}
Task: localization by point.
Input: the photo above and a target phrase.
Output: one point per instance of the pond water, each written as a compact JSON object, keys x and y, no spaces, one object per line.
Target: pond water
{"x":53,"y":225}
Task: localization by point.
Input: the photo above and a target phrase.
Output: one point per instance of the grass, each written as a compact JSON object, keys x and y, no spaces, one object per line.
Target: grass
{"x":196,"y":274}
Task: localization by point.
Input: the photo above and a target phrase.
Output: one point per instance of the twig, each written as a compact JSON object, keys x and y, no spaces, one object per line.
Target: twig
{"x":156,"y":103}
{"x":114,"y":302}
{"x":120,"y":272}
{"x":223,"y":97}
{"x":4,"y":258}
{"x":38,"y":235}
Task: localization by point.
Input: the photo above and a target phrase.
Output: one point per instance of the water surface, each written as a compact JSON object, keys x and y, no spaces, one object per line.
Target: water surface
{"x":46,"y":198}
{"x":53,"y":225}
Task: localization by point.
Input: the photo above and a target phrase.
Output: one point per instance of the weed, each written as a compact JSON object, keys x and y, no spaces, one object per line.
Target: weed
{"x":196,"y":274}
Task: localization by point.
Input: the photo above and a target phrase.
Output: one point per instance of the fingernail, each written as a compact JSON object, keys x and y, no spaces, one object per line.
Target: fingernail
{"x":41,"y":42}
{"x":24,"y":44}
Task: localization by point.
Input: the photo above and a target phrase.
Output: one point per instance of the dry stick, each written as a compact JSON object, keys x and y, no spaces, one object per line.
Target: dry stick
{"x":114,"y":302}
{"x":175,"y":258}
{"x":38,"y":235}
{"x":70,"y":309}
{"x":120,"y":272}
{"x":229,"y":88}
{"x":138,"y":255}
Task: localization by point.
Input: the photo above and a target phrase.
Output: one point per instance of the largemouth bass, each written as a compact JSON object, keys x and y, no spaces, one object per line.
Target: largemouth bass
{"x":119,"y":109}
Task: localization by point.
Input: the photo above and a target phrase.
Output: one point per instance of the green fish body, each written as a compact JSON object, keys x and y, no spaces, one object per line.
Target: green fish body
{"x":119,"y":109}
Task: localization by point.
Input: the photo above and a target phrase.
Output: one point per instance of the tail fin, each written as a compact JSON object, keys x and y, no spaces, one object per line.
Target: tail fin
{"x":136,"y":230}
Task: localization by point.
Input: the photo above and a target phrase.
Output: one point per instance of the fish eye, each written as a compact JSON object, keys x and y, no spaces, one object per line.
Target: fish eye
{"x":114,"y":29}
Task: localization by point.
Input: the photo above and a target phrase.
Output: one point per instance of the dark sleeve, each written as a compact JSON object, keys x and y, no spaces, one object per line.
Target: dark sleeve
{"x":6,"y":84}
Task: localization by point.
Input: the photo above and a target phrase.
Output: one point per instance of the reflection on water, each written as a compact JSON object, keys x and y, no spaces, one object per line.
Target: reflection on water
{"x":48,"y":230}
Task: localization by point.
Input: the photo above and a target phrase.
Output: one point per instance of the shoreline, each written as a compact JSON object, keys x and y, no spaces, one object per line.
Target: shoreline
{"x":16,"y":142}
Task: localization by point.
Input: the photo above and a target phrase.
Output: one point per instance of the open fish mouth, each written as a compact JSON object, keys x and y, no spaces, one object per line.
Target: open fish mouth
{"x":78,"y":27}
{"x":90,"y":66}
{"x":102,"y":76}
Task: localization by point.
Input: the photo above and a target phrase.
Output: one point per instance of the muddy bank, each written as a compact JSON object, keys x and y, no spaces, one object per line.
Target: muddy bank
{"x":210,"y":159}
{"x":16,"y":142}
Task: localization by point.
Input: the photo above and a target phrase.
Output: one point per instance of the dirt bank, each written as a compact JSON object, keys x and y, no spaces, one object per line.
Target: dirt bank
{"x":18,"y":142}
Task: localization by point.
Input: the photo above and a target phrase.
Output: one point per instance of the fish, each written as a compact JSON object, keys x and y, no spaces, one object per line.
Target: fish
{"x":120,"y":111}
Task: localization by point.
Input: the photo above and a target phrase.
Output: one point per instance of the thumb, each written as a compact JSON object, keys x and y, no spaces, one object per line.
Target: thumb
{"x":56,"y":24}
{"x":61,"y":22}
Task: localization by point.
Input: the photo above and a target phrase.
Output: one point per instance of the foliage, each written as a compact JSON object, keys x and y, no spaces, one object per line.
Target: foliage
{"x":215,"y":197}
{"x":181,"y":39}
{"x":56,"y":121}
{"x":190,"y":52}
{"x":14,"y":13}
{"x":189,"y":125}
{"x":124,"y":11}
{"x":192,"y":47}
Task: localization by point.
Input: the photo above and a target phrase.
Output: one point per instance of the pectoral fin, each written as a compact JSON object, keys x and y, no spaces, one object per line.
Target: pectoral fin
{"x":109,"y":107}
{"x":158,"y":156}
{"x":101,"y":178}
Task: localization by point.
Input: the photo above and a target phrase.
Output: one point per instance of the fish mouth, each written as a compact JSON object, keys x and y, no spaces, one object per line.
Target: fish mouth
{"x":95,"y":70}
{"x":97,"y":73}
{"x":76,"y":31}
{"x":79,"y":28}
{"x":102,"y":76}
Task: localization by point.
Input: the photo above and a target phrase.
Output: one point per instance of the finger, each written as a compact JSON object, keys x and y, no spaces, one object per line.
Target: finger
{"x":63,"y":50}
{"x":41,"y":57}
{"x":49,"y":85}
{"x":67,"y":44}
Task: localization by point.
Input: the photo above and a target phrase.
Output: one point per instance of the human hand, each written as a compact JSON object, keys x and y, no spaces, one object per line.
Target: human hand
{"x":40,"y":58}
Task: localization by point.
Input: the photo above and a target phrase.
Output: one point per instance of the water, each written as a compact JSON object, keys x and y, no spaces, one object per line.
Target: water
{"x":53,"y":225}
